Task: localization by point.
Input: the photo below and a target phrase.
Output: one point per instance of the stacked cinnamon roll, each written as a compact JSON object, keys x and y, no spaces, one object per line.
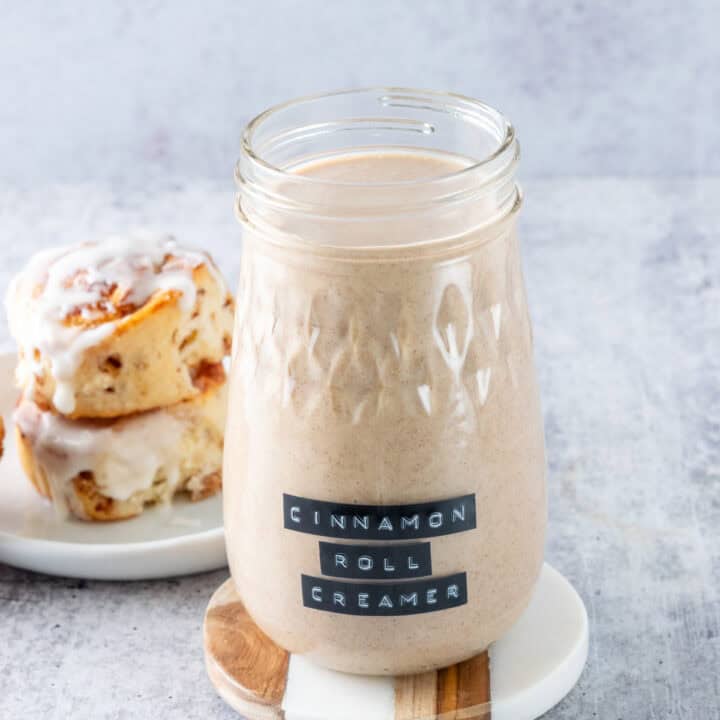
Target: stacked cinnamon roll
{"x":121,"y":350}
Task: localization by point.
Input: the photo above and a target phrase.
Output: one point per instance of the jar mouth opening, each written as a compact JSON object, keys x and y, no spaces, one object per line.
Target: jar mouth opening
{"x":498,"y":158}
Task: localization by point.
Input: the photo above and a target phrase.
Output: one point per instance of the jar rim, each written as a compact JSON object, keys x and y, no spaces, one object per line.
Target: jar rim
{"x":447,"y":101}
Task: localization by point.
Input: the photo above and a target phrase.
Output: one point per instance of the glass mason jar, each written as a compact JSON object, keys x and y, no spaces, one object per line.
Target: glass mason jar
{"x":384,"y":461}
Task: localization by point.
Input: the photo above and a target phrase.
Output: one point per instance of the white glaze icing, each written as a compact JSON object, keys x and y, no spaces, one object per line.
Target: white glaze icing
{"x":61,"y":281}
{"x":125,"y":456}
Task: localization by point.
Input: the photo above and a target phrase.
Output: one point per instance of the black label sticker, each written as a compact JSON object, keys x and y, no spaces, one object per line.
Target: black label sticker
{"x":407,"y":598}
{"x":379,"y":522}
{"x":375,"y":562}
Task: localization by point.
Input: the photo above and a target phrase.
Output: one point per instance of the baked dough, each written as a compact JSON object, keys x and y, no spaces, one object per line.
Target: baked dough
{"x":118,"y":327}
{"x":112,"y":469}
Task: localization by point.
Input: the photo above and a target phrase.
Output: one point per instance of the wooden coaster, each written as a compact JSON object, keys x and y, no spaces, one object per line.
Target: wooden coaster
{"x":521,"y":677}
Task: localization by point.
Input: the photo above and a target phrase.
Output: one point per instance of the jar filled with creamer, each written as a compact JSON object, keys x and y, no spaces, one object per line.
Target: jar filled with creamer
{"x":384,"y":460}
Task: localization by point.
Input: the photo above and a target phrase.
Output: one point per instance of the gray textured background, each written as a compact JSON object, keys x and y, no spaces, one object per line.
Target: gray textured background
{"x":625,"y":312}
{"x":130,"y":92}
{"x":105,"y":103}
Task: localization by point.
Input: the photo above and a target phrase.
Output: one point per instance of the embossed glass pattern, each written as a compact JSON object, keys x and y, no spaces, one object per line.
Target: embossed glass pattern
{"x":383,"y":391}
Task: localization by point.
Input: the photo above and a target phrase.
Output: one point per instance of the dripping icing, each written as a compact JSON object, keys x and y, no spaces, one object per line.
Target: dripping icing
{"x":125,"y":456}
{"x":92,"y":280}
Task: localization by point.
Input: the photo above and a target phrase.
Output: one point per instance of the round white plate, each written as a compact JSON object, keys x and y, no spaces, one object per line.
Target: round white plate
{"x":177,"y":539}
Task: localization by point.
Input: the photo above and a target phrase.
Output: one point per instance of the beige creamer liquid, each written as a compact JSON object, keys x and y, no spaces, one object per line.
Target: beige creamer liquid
{"x":384,"y":463}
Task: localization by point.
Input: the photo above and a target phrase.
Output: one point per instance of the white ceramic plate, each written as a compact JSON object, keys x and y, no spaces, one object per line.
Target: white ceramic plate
{"x":177,"y":539}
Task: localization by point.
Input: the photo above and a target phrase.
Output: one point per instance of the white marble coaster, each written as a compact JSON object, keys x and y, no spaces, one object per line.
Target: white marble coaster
{"x":521,"y":677}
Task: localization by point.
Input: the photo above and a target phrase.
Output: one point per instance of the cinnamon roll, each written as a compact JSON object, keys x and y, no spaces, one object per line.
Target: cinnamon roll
{"x":110,"y":469}
{"x":117,"y":327}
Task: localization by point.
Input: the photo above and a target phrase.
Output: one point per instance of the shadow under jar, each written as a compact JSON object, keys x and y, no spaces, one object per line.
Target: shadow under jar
{"x":384,"y":461}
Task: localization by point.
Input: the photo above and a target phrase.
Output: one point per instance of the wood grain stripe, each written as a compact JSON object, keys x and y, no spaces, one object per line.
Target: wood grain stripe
{"x":416,"y":696}
{"x":246,"y":654}
{"x":251,"y":672}
{"x":463,"y":690}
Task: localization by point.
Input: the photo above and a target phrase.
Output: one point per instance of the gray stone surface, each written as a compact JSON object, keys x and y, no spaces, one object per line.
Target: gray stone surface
{"x":127,"y":92}
{"x":624,"y":285}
